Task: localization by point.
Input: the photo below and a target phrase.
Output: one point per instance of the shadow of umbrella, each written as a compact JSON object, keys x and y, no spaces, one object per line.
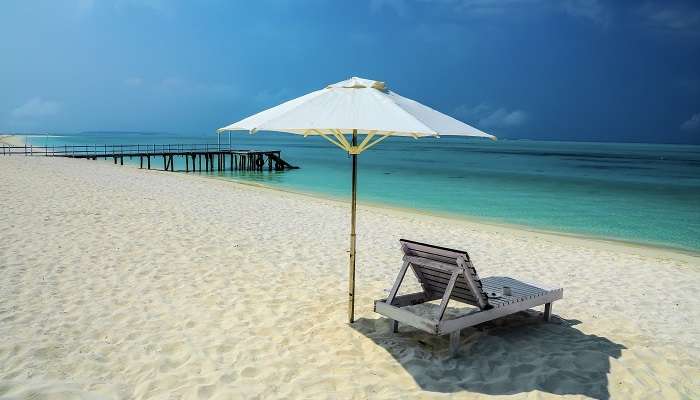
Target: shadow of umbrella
{"x":515,"y":354}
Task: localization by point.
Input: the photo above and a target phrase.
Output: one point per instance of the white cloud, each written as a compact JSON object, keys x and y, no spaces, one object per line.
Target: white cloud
{"x":36,"y":108}
{"x":671,"y":17}
{"x":692,"y":124}
{"x":504,"y":117}
{"x":487,"y":116}
{"x":592,"y":10}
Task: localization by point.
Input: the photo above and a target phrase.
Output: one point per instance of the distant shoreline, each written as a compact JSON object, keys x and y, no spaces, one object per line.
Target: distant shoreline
{"x":12,"y":140}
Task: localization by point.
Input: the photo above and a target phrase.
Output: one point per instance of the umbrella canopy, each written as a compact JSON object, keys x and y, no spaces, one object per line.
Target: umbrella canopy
{"x":355,"y":107}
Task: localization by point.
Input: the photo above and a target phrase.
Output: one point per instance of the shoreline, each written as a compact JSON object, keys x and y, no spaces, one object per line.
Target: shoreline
{"x":655,"y":249}
{"x":650,"y":249}
{"x":13,"y":140}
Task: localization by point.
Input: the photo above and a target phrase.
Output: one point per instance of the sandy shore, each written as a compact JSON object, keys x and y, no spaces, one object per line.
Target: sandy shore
{"x":12,"y":140}
{"x":123,"y":283}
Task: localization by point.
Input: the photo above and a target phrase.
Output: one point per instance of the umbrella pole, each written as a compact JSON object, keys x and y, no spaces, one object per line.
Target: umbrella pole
{"x":351,"y":280}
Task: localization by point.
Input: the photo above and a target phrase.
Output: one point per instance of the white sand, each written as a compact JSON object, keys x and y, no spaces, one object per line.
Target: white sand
{"x":12,"y":140}
{"x":124,"y":283}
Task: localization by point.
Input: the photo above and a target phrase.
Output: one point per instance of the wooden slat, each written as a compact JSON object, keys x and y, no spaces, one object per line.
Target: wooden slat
{"x":489,"y":283}
{"x":406,"y":317}
{"x":435,"y":274}
{"x":440,"y":266}
{"x":472,"y":271}
{"x":464,"y":294}
{"x":397,"y":283}
{"x":459,"y":291}
{"x":410,"y":299}
{"x":504,"y":301}
{"x":435,"y":280}
{"x":438,"y":291}
{"x":464,"y":299}
{"x":419,"y":276}
{"x":437,"y":250}
{"x":473,"y":283}
{"x":461,"y":283}
{"x":479,"y":316}
{"x":436,"y":257}
{"x":515,"y":293}
{"x":518,"y":288}
{"x":446,"y":296}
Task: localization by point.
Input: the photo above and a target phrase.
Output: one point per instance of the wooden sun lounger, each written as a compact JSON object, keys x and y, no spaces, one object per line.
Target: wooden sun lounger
{"x":448,"y":274}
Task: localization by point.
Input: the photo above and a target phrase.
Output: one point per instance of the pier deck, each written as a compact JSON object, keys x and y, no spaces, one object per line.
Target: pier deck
{"x":198,"y":157}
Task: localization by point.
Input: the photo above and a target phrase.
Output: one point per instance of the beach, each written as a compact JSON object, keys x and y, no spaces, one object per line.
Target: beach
{"x":12,"y":140}
{"x":604,"y":190}
{"x":125,"y":283}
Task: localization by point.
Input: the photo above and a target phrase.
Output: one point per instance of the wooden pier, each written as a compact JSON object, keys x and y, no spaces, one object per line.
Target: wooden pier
{"x":198,"y":157}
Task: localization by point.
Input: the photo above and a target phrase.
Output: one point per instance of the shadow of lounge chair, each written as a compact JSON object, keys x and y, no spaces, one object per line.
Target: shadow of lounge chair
{"x":511,"y":355}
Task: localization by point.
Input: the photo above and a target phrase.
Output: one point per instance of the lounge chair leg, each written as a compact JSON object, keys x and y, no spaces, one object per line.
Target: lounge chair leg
{"x":548,"y":311}
{"x":454,"y":343}
{"x":394,"y":326}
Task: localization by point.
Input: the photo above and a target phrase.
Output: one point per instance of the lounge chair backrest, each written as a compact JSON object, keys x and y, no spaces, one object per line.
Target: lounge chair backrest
{"x":434,"y":266}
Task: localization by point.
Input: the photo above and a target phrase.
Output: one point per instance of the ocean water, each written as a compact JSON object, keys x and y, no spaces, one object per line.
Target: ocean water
{"x":643,"y":193}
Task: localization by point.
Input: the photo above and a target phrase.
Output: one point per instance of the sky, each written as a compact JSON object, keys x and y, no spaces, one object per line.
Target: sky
{"x":591,"y":70}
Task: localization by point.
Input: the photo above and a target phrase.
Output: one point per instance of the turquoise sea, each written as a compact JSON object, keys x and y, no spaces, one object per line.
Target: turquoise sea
{"x":643,"y":193}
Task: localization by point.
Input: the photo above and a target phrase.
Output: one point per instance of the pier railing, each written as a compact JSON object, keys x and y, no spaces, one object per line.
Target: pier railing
{"x":107,"y":150}
{"x":216,"y":157}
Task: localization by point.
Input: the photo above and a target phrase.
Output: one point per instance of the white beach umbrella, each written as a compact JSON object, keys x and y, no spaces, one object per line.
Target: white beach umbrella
{"x":355,"y":107}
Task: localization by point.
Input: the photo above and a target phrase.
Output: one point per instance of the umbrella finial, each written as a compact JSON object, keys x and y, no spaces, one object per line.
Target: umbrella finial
{"x":359,"y":83}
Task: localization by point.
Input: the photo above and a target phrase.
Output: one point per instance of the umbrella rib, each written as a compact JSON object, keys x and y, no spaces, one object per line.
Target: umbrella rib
{"x":341,"y":138}
{"x":362,"y":145}
{"x":325,"y":136}
{"x":375,"y":141}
